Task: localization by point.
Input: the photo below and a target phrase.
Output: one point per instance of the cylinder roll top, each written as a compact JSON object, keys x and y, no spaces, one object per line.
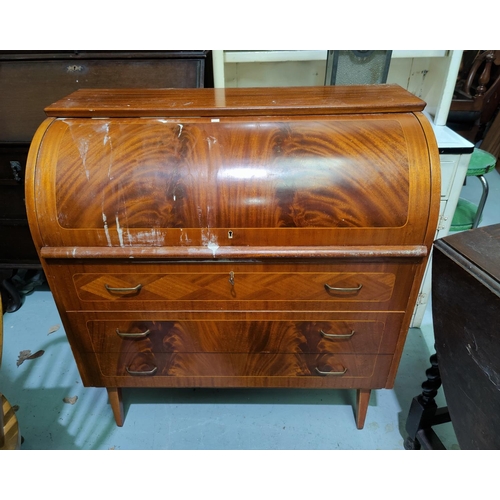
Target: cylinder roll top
{"x":168,"y":176}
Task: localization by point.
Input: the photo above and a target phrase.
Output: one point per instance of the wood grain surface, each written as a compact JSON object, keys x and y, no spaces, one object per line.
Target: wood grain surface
{"x":236,"y":102}
{"x":236,"y":233}
{"x":143,"y":183}
{"x":257,"y":285}
{"x":238,"y":336}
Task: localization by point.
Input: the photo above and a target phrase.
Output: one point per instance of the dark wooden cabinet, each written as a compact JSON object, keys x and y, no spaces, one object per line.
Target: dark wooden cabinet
{"x":16,"y":245}
{"x":235,"y":237}
{"x":32,"y":80}
{"x":466,"y":311}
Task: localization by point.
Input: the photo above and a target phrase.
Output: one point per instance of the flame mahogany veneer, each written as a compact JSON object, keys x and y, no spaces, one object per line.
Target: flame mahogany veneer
{"x":272,"y":237}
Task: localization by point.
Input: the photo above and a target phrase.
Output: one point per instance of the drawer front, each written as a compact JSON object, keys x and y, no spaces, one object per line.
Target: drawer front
{"x":236,"y":286}
{"x":223,"y":336}
{"x":232,"y":349}
{"x":156,"y":365}
{"x":241,"y":286}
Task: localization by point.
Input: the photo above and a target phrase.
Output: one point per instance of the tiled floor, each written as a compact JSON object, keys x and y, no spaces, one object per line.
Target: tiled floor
{"x":201,"y":419}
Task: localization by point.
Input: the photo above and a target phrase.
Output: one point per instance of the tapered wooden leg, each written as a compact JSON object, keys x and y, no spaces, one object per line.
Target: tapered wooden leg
{"x":362,"y":399}
{"x":115,"y":399}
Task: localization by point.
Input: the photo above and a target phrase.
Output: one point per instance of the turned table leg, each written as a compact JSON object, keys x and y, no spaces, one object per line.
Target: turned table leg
{"x":424,"y":413}
{"x":362,"y":399}
{"x":115,"y":399}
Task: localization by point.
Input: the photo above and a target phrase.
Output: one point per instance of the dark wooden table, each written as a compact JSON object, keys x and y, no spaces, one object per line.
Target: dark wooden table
{"x":466,"y":311}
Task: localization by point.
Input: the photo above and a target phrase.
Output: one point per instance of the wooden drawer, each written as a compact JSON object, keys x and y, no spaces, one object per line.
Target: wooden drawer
{"x":286,"y":334}
{"x":144,"y":366}
{"x":236,"y":286}
{"x":272,"y":336}
{"x":332,"y":285}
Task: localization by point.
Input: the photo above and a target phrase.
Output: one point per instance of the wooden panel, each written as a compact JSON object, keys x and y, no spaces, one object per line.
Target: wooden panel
{"x":482,"y":249}
{"x":232,"y":331}
{"x":142,"y":183}
{"x":235,"y":365}
{"x":376,"y":374}
{"x":294,"y":101}
{"x":30,"y":84}
{"x":258,"y":285}
{"x":466,"y":301}
{"x":242,"y":253}
{"x":347,"y":336}
{"x":248,"y":287}
{"x":169,"y":175}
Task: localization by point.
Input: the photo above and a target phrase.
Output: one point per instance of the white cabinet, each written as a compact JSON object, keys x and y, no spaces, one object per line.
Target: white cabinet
{"x":454,"y":153}
{"x":428,"y":74}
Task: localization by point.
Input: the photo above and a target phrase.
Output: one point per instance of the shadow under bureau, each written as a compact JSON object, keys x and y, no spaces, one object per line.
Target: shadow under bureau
{"x":271,"y":237}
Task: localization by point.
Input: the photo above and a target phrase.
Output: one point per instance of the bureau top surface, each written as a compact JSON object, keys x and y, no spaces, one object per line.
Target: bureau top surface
{"x":269,"y":101}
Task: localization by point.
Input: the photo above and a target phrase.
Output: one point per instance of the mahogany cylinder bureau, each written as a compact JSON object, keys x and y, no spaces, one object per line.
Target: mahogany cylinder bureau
{"x":271,"y":237}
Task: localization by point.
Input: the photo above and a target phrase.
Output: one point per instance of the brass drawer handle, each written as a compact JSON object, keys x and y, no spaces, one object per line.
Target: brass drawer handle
{"x":329,"y":288}
{"x":141,"y":374}
{"x":125,"y":335}
{"x":337,"y":336}
{"x":319,"y":372}
{"x":135,"y":289}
